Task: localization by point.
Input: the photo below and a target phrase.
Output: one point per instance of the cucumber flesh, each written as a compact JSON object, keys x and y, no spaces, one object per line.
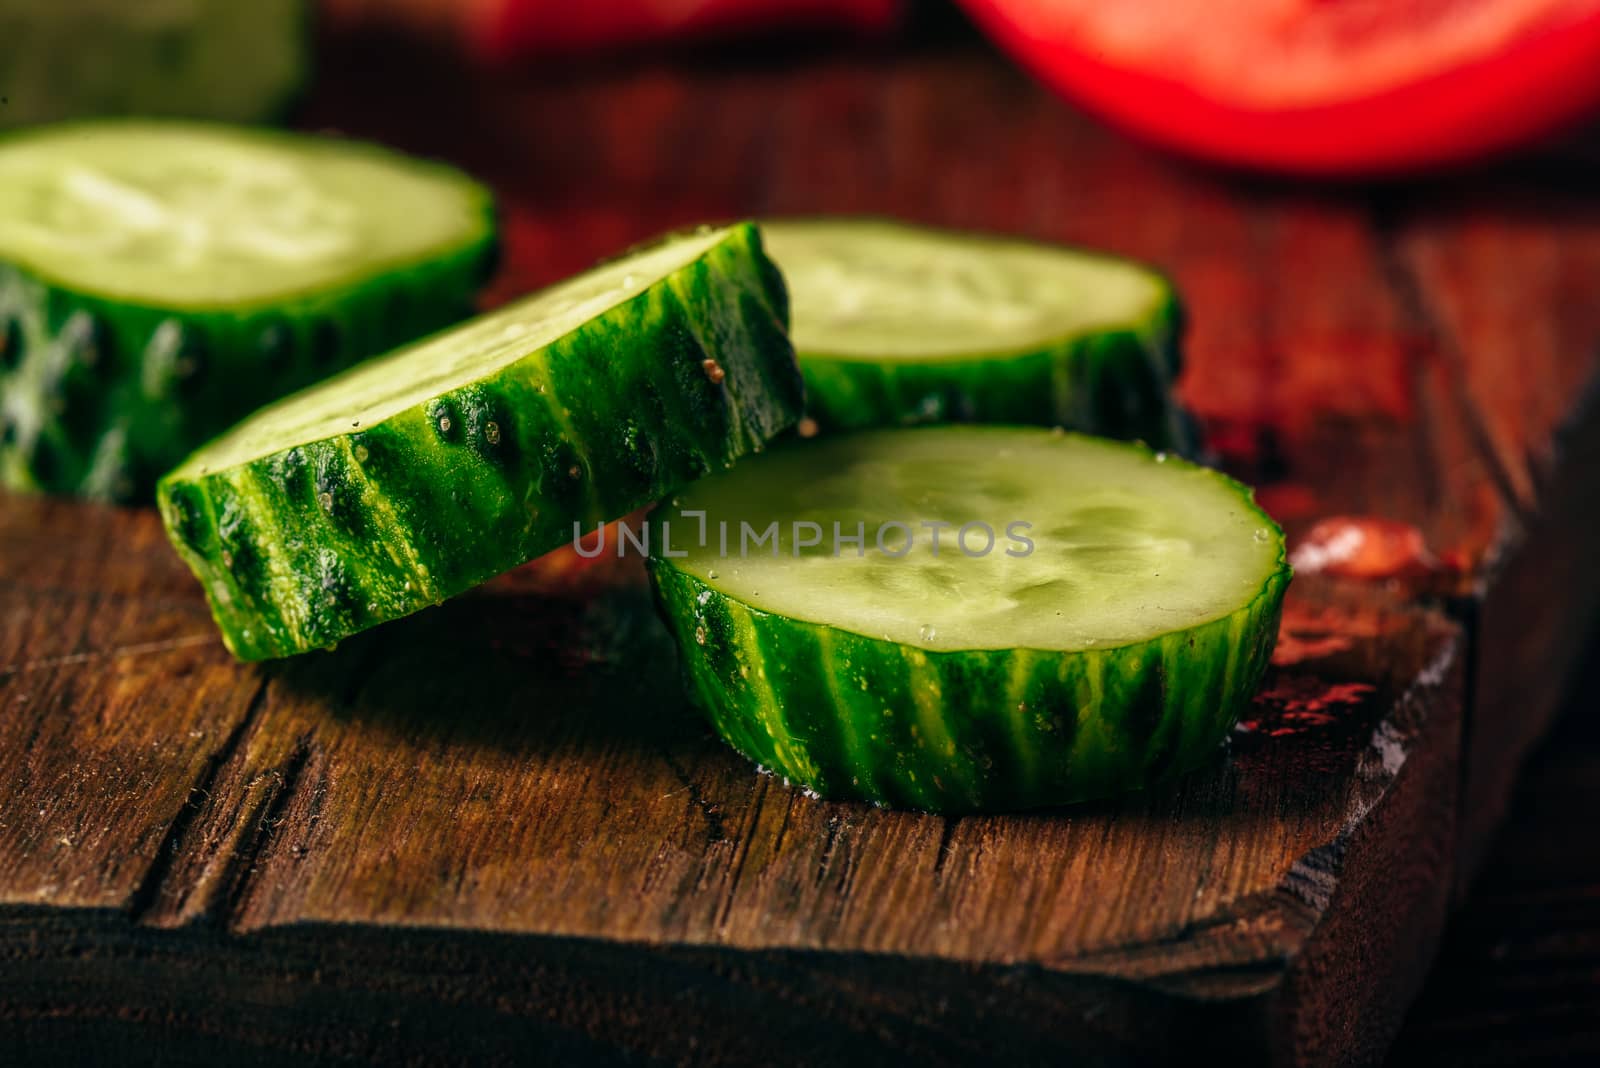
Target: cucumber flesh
{"x":1118,"y":650}
{"x":428,"y":471}
{"x":199,"y":217}
{"x":899,"y":324}
{"x":159,"y":280}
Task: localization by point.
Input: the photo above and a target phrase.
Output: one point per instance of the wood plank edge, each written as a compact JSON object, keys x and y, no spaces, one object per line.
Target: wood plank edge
{"x":97,"y":976}
{"x":1528,"y":629}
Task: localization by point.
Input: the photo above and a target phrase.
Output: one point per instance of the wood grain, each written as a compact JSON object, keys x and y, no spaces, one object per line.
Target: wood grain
{"x":1477,"y":275}
{"x":495,"y":830}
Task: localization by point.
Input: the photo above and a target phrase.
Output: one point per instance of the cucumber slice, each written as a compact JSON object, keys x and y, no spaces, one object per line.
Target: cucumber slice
{"x":204,"y":59}
{"x":159,"y":280}
{"x":428,"y":471}
{"x":900,"y":324}
{"x":1119,"y":650}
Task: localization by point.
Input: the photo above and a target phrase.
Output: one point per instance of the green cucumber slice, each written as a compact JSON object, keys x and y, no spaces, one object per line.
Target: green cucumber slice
{"x":204,"y":59}
{"x":899,"y":324}
{"x":159,"y":280}
{"x":423,"y":473}
{"x":1118,"y":651}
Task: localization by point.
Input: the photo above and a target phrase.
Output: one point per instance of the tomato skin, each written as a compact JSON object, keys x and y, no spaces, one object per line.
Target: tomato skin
{"x":1535,"y":86}
{"x":511,"y":28}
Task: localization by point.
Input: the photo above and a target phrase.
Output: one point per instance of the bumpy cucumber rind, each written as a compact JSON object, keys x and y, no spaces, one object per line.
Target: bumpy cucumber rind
{"x":859,"y":718}
{"x":1113,"y":379}
{"x":99,"y":398}
{"x":301,"y":548}
{"x":1115,"y":384}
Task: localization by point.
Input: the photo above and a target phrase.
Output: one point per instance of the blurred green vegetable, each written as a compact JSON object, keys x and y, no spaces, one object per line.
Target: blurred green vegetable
{"x":241,"y":60}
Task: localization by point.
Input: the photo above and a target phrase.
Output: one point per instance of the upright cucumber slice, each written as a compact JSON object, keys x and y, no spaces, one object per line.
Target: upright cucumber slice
{"x":420,"y":474}
{"x":1091,"y":617}
{"x":901,"y":324}
{"x":159,"y":280}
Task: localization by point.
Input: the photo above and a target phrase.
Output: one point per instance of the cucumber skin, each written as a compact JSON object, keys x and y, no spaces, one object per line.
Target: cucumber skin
{"x":99,"y":398}
{"x":1114,"y":383}
{"x":859,"y":718}
{"x":301,"y":549}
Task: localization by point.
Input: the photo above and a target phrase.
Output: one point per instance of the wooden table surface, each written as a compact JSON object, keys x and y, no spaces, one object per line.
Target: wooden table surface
{"x":495,"y":830}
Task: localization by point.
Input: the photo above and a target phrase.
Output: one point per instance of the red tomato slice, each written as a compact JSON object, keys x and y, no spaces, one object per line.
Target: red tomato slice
{"x":516,"y":27}
{"x":1320,"y":87}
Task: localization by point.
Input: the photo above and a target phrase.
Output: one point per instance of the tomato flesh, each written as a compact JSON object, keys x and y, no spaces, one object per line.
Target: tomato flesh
{"x":1347,"y":87}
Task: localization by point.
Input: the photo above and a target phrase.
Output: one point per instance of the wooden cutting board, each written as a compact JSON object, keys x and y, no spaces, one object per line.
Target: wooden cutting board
{"x":495,"y":831}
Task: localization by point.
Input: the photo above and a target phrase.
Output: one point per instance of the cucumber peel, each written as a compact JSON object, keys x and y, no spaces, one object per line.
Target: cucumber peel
{"x":159,"y":280}
{"x":421,"y":474}
{"x":898,"y":324}
{"x":1116,"y":652}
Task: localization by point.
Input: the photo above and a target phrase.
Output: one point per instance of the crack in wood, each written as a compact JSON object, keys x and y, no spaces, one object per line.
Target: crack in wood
{"x":1314,"y":877}
{"x":829,"y":842}
{"x":947,"y":835}
{"x":725,"y":908}
{"x":1255,"y":938}
{"x":152,"y":887}
{"x":244,"y":863}
{"x":783,"y":827}
{"x":715,"y":829}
